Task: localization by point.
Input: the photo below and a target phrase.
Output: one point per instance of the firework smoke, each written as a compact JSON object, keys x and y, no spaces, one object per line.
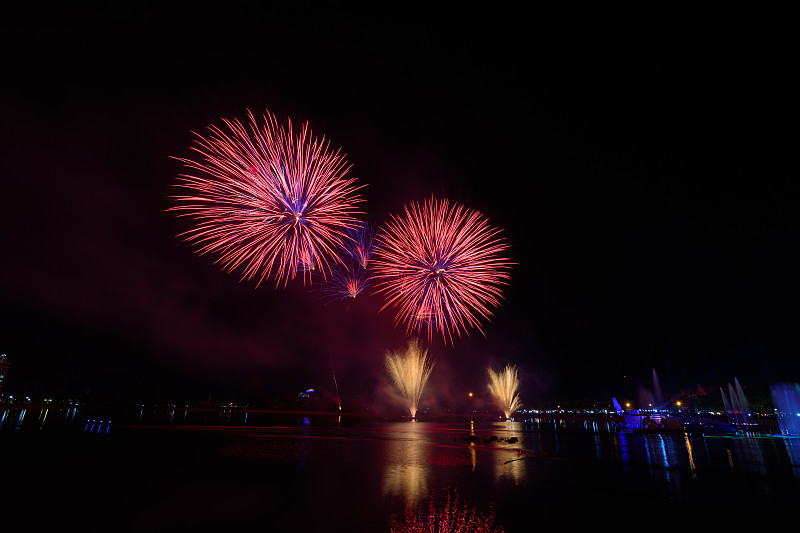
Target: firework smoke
{"x":410,"y":371}
{"x":440,"y":266}
{"x":267,"y":200}
{"x":504,"y":388}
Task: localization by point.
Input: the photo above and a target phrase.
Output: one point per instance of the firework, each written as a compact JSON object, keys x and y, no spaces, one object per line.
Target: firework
{"x":345,"y":281}
{"x":336,"y":384}
{"x":441,"y":267}
{"x":362,"y":243}
{"x":268,"y":201}
{"x":353,"y":274}
{"x":444,"y":515}
{"x":410,"y":371}
{"x":504,"y":388}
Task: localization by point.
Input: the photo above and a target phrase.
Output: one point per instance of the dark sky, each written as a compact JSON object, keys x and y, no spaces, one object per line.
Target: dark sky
{"x":633,"y":163}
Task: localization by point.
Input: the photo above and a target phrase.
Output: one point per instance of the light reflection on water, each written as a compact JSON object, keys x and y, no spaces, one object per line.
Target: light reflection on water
{"x":750,"y":454}
{"x":412,"y":448}
{"x":406,"y":467}
{"x":390,"y":464}
{"x":691,"y":457}
{"x":792,"y":447}
{"x":18,"y":418}
{"x":514,"y":469}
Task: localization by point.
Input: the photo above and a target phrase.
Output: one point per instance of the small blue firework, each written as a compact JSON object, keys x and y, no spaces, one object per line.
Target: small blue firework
{"x":353,"y":274}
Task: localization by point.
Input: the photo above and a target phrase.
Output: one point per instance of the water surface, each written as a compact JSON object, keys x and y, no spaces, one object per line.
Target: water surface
{"x":161,"y":469}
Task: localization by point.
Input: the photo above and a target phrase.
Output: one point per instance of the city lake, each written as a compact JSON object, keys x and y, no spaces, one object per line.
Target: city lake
{"x":157,"y":469}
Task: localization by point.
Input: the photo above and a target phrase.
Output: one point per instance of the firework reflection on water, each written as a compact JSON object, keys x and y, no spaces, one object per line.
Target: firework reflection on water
{"x":447,"y":514}
{"x":407,"y":465}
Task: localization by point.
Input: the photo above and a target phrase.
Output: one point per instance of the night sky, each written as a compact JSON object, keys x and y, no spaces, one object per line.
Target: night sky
{"x":633,"y":168}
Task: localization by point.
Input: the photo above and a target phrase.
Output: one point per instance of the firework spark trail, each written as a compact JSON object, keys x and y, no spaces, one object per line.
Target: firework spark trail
{"x":410,"y":371}
{"x":353,"y":275}
{"x":444,"y":515}
{"x":362,"y":243}
{"x":504,"y":388}
{"x":336,"y":384}
{"x":345,"y":281}
{"x":440,"y":266}
{"x":267,"y":200}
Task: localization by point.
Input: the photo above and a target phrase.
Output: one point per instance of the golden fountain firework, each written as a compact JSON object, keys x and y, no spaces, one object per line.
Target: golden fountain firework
{"x":504,"y":388}
{"x":410,"y":371}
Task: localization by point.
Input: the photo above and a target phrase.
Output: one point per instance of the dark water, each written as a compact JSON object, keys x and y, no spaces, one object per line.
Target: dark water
{"x":188,"y":470}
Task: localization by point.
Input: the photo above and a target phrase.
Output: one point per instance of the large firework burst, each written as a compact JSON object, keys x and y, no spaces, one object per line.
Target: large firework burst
{"x":267,"y":200}
{"x":441,"y":267}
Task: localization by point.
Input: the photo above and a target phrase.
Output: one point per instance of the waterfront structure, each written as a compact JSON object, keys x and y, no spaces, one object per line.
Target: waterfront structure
{"x":309,"y":394}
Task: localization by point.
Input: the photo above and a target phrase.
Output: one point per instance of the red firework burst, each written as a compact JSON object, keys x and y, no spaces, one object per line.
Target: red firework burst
{"x":268,"y":200}
{"x":441,"y":267}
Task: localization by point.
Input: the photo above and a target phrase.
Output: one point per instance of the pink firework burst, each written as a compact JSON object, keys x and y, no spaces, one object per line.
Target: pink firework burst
{"x":441,"y":267}
{"x":267,"y":200}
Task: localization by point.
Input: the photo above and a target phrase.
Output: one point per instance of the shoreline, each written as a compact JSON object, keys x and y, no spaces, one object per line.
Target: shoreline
{"x":691,"y":422}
